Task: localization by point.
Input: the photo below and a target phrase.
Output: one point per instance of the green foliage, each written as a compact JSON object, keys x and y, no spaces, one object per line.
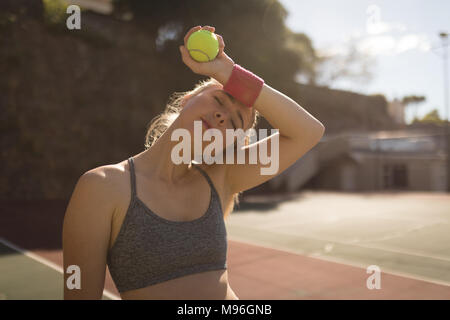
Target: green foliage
{"x":55,"y":12}
{"x":430,"y":117}
{"x":85,"y":98}
{"x":412,"y":99}
{"x":254,"y":31}
{"x":7,"y":18}
{"x":301,"y":44}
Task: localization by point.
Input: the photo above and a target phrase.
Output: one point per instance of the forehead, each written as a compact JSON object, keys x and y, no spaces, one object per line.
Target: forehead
{"x":227,"y":96}
{"x":248,"y":114}
{"x":243,"y":111}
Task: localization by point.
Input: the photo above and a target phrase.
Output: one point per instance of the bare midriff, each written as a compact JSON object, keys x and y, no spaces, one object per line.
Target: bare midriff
{"x":209,"y":285}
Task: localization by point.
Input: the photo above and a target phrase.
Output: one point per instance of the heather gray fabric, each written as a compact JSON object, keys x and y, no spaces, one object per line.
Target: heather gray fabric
{"x":150,"y":249}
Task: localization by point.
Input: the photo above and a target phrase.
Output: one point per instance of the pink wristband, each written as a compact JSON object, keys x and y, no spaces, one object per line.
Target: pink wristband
{"x":244,"y":85}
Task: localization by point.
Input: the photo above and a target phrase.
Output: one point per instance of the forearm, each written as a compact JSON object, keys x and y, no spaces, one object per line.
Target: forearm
{"x":282,"y":112}
{"x":286,"y":115}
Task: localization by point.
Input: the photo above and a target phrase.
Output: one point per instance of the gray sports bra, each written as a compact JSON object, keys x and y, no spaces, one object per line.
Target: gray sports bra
{"x":150,"y":249}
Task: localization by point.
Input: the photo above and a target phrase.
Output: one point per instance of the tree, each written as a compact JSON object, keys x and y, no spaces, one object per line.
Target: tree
{"x":302,"y":45}
{"x":430,"y":117}
{"x":344,"y":63}
{"x":254,"y":31}
{"x":413,"y":100}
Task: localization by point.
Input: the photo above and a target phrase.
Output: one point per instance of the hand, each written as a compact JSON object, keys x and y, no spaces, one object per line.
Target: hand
{"x":220,"y":68}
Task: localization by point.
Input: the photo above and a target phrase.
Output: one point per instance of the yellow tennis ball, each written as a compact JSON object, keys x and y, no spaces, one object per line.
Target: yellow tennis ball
{"x":203,"y":45}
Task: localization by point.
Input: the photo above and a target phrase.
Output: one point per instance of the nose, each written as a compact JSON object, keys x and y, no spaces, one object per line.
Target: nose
{"x":219,"y":118}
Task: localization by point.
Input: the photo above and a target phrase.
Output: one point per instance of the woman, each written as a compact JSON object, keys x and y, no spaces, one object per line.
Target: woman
{"x":159,"y":226}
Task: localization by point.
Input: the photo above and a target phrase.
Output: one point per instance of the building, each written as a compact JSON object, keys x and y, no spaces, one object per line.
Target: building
{"x":410,"y":159}
{"x":396,"y":110}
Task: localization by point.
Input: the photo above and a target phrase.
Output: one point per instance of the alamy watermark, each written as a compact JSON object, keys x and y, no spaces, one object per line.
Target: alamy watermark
{"x":74,"y":280}
{"x":374,"y":281}
{"x":217,"y":147}
{"x":74,"y":20}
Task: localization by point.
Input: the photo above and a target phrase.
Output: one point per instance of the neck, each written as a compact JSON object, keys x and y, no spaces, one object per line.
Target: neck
{"x":157,"y":162}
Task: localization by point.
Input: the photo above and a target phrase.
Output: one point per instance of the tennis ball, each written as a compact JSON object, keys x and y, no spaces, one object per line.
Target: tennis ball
{"x":203,"y":45}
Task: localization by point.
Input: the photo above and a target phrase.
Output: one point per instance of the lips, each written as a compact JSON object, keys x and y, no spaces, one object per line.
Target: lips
{"x":205,"y":123}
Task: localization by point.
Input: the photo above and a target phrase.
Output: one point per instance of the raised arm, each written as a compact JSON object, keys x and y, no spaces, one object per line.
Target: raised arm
{"x":86,"y":234}
{"x":299,"y":131}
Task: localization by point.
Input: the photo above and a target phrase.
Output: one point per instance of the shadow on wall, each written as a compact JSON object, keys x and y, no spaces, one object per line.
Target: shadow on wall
{"x":33,"y":224}
{"x":265,"y":202}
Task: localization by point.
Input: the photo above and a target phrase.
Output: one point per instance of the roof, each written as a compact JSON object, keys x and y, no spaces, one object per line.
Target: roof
{"x":388,"y":134}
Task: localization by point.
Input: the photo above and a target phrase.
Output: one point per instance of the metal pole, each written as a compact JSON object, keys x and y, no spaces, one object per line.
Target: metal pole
{"x":444,"y":37}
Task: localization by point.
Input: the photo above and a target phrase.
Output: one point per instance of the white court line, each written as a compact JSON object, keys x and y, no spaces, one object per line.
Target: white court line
{"x":340,"y":261}
{"x":365,"y":246}
{"x":401,"y":251}
{"x":49,"y":264}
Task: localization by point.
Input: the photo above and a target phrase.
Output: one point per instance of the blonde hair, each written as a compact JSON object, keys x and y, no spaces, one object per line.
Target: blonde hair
{"x":159,"y":124}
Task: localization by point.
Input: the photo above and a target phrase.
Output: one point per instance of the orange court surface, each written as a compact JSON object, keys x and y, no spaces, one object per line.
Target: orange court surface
{"x":312,"y":245}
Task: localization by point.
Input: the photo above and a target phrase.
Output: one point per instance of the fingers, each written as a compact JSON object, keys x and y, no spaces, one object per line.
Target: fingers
{"x":221,"y":43}
{"x":186,"y":37}
{"x":185,"y":55}
{"x":209,"y":28}
{"x":187,"y":59}
{"x":196,"y":28}
{"x":183,"y":49}
{"x":219,"y":37}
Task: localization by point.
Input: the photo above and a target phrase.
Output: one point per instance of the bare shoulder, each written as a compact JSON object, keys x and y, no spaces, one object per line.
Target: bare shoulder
{"x":101,"y":186}
{"x":87,"y":227}
{"x":109,"y":175}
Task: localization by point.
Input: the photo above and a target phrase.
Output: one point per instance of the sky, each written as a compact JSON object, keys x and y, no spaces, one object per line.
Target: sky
{"x":401,"y":38}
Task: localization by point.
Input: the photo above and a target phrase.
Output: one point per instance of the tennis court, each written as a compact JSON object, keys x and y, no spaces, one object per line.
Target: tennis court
{"x":295,"y":249}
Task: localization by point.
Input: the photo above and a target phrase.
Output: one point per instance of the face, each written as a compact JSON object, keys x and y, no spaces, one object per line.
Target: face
{"x":216,"y":109}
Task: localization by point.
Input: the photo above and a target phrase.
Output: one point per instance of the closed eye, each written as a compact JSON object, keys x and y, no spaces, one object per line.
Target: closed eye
{"x":218,"y":101}
{"x":232,"y":123}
